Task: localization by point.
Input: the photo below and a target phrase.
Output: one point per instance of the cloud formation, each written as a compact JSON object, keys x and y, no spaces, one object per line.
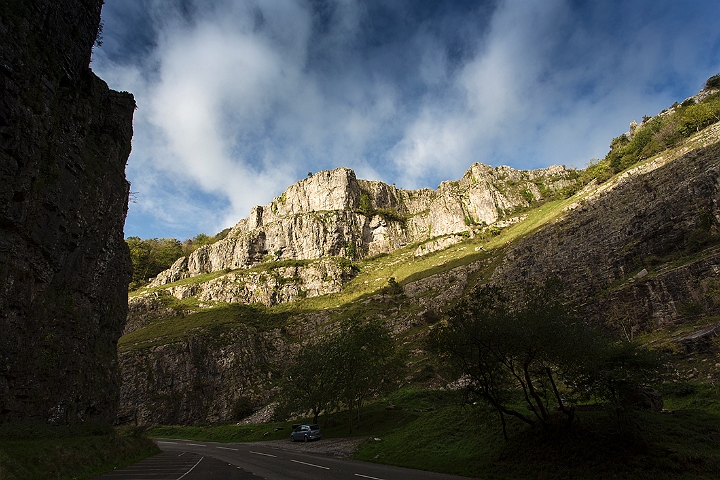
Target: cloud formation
{"x":237,"y":100}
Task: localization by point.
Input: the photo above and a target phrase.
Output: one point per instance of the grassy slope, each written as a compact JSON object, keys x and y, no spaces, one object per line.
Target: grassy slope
{"x":32,"y":451}
{"x":434,"y":431}
{"x":373,"y":276}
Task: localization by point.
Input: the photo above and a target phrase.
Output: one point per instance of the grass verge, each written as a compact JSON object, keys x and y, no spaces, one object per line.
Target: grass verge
{"x":432,"y":430}
{"x":32,"y":451}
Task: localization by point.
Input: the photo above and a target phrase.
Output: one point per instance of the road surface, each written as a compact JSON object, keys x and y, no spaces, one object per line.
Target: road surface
{"x":194,"y":460}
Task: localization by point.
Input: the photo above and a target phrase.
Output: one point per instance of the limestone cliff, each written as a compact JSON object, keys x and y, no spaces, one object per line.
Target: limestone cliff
{"x":332,"y":213}
{"x":637,"y":251}
{"x":64,"y":266}
{"x":278,"y":282}
{"x":616,"y":250}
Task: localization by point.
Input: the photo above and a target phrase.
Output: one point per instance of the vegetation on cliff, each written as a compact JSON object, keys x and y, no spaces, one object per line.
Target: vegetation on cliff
{"x":537,"y":352}
{"x":153,"y":255}
{"x":658,"y":133}
{"x":644,"y":241}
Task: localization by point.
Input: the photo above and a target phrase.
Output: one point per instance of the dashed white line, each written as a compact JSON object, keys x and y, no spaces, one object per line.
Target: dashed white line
{"x":365,"y":476}
{"x":310,"y":464}
{"x":260,"y":453}
{"x":165,"y":441}
{"x":193,"y":467}
{"x":227,"y":448}
{"x":197,"y":445}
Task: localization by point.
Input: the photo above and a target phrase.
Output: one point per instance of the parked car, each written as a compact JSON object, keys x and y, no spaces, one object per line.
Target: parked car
{"x":305,"y":433}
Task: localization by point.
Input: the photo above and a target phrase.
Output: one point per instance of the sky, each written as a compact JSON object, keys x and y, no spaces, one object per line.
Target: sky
{"x":238,"y":99}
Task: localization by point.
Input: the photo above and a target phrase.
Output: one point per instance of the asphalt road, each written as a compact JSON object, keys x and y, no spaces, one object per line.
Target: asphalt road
{"x":193,"y":460}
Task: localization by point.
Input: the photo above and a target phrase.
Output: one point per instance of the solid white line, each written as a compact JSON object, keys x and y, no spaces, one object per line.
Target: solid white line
{"x":260,"y":453}
{"x":365,"y":476}
{"x":197,"y":445}
{"x":181,"y":476}
{"x":310,"y":464}
{"x":226,"y":448}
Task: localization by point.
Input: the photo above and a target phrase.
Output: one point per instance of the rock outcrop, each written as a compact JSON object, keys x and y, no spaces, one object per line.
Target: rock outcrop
{"x":64,"y":266}
{"x":603,"y":250}
{"x":636,"y":254}
{"x":281,"y":282}
{"x":198,"y":381}
{"x":332,"y":213}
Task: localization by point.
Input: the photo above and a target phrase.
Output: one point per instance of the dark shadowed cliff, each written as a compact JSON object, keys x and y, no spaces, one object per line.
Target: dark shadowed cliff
{"x":64,"y":267}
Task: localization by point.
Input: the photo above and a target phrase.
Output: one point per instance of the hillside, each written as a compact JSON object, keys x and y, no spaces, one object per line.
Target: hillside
{"x":332,"y":213}
{"x":211,"y":336}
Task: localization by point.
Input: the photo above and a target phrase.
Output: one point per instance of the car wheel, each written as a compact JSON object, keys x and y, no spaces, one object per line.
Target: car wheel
{"x":292,"y":439}
{"x":306,"y":439}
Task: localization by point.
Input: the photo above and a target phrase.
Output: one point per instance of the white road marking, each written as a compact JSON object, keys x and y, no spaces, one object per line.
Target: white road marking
{"x":181,"y":476}
{"x":165,"y":441}
{"x":197,"y":445}
{"x":365,"y":476}
{"x":260,"y":453}
{"x":310,"y":464}
{"x":226,"y":448}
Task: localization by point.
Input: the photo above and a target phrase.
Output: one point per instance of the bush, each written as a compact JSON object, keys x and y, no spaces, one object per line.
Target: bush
{"x":713,"y":82}
{"x":533,"y":349}
{"x":655,"y":135}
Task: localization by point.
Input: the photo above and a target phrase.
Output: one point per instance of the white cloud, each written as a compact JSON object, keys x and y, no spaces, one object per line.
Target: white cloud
{"x":239,"y":99}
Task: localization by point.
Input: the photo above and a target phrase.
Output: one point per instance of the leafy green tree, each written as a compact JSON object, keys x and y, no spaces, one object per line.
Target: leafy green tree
{"x":308,"y":381}
{"x":150,"y":257}
{"x":535,"y":351}
{"x":364,"y":362}
{"x":344,"y":368}
{"x":713,"y":82}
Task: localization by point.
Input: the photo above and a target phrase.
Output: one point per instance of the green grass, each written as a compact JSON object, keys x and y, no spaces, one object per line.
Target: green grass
{"x":34,"y":451}
{"x":433,"y":431}
{"x":372,"y":278}
{"x":213,"y":322}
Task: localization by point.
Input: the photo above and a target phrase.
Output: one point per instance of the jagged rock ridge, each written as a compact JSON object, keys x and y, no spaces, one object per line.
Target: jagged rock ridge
{"x":332,"y":213}
{"x":64,"y":265}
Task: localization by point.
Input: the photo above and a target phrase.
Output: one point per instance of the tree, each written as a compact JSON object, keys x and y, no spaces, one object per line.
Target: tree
{"x":308,"y":380}
{"x":347,"y":367}
{"x":150,"y":257}
{"x":364,"y":362}
{"x":534,"y":350}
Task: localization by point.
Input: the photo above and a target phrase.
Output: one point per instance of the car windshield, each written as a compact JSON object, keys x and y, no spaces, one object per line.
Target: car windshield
{"x":314,"y":427}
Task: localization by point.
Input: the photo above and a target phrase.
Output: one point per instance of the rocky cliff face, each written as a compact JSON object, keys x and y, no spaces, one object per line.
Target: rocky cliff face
{"x":280,"y":282}
{"x":611,"y":248}
{"x":197,"y":380}
{"x":332,"y":213}
{"x":636,"y":250}
{"x":64,"y":266}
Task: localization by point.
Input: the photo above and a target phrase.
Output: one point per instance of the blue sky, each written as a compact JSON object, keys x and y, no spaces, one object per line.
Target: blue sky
{"x":238,"y":99}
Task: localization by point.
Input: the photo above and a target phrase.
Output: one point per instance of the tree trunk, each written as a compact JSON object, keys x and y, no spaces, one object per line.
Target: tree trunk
{"x":570,"y":412}
{"x":536,"y":397}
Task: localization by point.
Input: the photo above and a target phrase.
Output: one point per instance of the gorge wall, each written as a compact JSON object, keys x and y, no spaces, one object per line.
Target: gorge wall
{"x":637,"y":251}
{"x":617,"y":251}
{"x":332,"y":213}
{"x":64,"y":266}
